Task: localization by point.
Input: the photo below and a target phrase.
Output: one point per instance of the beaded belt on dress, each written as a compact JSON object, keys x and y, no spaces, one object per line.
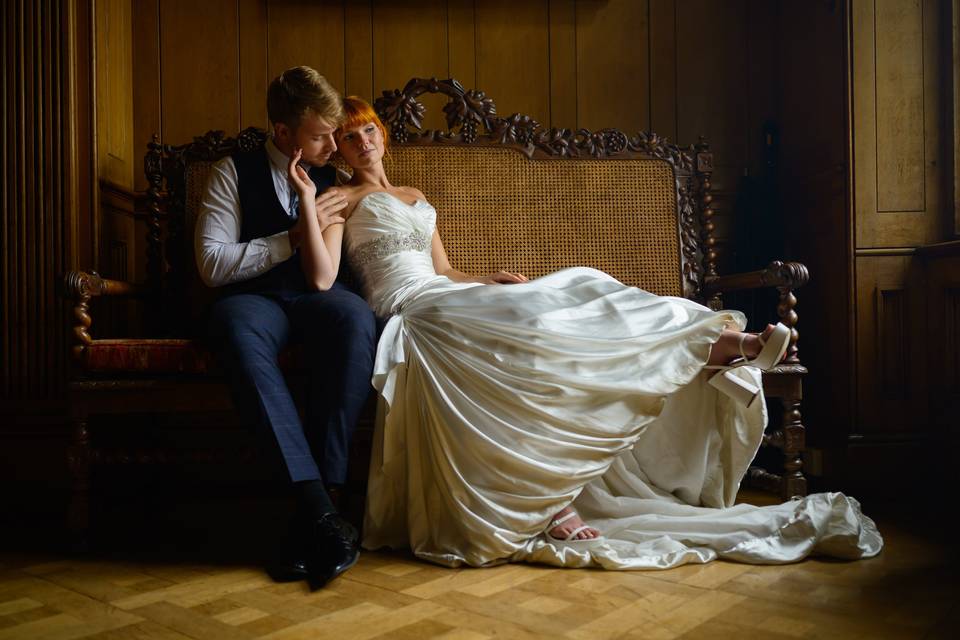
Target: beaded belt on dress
{"x":387,"y":245}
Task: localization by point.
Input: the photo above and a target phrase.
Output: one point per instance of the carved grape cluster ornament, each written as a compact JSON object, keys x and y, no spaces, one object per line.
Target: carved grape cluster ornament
{"x":468,"y":110}
{"x":517,"y":129}
{"x":471,"y":117}
{"x":398,"y":109}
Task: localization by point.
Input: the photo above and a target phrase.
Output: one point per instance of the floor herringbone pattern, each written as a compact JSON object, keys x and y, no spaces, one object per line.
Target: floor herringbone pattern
{"x":910,"y":591}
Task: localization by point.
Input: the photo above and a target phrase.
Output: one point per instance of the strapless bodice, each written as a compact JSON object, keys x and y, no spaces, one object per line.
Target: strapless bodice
{"x":388,"y":243}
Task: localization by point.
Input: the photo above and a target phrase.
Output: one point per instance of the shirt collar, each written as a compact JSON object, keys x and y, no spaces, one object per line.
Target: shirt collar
{"x":277,"y":157}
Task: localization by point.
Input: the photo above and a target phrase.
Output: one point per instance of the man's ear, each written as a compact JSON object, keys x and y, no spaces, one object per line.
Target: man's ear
{"x":282,"y":132}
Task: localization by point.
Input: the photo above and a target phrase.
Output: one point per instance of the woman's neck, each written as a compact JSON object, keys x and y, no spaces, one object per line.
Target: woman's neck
{"x":370,"y":177}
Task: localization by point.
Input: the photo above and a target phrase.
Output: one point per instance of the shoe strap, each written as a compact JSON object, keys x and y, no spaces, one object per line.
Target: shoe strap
{"x":743,"y":336}
{"x":559,"y":521}
{"x":573,"y":534}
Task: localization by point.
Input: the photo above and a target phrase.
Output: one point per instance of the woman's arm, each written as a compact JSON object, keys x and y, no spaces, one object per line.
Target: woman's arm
{"x":321,"y":228}
{"x":442,"y":266}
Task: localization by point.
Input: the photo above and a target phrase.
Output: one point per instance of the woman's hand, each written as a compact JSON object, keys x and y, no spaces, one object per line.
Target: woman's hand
{"x":299,"y":178}
{"x":330,"y":204}
{"x":504,"y":277}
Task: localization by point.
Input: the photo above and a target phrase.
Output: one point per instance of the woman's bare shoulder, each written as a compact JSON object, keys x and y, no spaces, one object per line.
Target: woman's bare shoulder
{"x":413,"y":192}
{"x":353,"y":194}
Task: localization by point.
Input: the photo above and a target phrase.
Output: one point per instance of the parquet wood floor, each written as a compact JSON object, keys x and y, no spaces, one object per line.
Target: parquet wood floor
{"x":910,"y":591}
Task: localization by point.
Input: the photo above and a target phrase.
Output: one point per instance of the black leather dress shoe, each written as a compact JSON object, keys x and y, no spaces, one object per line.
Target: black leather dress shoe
{"x":289,"y":569}
{"x":289,"y":564}
{"x":334,"y":549}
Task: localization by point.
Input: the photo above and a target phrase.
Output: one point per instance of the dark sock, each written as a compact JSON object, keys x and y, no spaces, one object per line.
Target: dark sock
{"x":313,"y":499}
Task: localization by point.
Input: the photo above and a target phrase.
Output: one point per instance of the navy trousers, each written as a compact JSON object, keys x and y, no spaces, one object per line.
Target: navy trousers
{"x":337,"y":332}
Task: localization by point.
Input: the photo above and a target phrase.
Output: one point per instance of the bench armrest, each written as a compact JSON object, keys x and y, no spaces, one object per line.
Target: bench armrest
{"x":785,"y":277}
{"x":790,"y":275}
{"x":80,"y":286}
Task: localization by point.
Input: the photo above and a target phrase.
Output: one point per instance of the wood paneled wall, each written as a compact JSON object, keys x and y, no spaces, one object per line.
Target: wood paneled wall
{"x":683,"y":69}
{"x":902,"y":199}
{"x":46,"y":208}
{"x":814,"y":197}
{"x":872,"y":171}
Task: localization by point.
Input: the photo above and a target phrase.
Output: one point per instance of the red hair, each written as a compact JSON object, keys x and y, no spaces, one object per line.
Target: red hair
{"x":358,"y":112}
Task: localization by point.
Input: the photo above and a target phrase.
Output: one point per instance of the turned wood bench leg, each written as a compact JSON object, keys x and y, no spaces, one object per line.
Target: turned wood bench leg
{"x":792,"y":482}
{"x":79,"y":458}
{"x":790,"y":439}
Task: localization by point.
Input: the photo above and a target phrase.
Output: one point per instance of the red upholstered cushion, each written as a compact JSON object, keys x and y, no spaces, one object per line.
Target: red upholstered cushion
{"x":157,"y":355}
{"x":143,"y":355}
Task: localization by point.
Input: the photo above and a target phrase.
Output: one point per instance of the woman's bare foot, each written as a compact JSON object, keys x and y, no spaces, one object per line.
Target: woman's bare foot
{"x":568,"y":526}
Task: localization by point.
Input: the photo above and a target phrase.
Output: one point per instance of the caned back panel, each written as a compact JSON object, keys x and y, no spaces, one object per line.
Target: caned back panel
{"x":499,"y":210}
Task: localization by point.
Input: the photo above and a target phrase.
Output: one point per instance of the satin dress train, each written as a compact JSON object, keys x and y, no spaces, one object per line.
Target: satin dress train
{"x":502,"y":404}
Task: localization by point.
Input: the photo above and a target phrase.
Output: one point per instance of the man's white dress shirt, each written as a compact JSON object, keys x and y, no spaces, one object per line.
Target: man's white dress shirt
{"x":221,"y":257}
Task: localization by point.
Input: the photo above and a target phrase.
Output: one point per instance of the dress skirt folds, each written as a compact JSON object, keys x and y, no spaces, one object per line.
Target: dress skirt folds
{"x":502,"y":404}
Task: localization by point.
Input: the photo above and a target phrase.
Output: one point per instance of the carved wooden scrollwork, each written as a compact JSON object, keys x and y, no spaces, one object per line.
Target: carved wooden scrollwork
{"x":471,"y":118}
{"x":467,"y":112}
{"x":165,"y":168}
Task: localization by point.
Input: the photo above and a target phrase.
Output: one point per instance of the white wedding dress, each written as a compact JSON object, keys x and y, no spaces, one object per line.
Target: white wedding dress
{"x":499,"y":405}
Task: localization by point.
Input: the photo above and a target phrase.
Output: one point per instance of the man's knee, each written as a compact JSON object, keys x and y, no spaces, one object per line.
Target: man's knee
{"x":359,"y":321}
{"x":344,"y":314}
{"x":246,"y":324}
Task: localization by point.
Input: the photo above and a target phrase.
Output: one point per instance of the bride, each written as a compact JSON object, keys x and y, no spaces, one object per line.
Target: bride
{"x":569,"y":420}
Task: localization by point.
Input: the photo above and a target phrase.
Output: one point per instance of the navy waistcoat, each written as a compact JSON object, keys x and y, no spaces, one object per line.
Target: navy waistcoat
{"x":262,"y":214}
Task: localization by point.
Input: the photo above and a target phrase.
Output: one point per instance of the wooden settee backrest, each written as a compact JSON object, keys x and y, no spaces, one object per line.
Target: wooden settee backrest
{"x":497,"y":209}
{"x":509,"y":195}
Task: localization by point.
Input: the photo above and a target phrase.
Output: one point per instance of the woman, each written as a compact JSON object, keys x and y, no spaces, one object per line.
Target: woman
{"x":506,"y":404}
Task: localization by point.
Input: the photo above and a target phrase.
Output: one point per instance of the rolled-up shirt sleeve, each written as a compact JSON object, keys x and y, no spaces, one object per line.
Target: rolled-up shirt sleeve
{"x":221,"y":257}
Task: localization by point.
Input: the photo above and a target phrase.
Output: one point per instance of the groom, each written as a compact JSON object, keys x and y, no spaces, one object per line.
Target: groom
{"x":247,"y":238}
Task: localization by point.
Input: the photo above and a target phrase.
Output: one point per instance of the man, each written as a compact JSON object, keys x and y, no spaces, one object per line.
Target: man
{"x":247,"y":235}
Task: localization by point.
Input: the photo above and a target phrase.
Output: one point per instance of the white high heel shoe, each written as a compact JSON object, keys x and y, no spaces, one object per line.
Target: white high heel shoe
{"x":742,"y":391}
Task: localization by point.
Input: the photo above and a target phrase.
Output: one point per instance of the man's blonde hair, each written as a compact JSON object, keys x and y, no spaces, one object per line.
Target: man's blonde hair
{"x":301,"y":90}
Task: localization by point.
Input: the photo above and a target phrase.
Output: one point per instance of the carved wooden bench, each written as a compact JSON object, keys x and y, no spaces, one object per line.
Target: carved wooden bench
{"x":509,"y":195}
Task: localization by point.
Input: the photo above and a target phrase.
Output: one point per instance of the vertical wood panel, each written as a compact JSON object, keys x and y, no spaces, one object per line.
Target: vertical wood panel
{"x":563,"y":65}
{"x":37,"y":133}
{"x":898,"y":46}
{"x":513,"y":64}
{"x":6,"y":203}
{"x":613,"y":60}
{"x":114,"y":98}
{"x":663,"y":68}
{"x":462,"y":36}
{"x":953,"y":71}
{"x":200,"y":81}
{"x":890,"y":340}
{"x":763,"y":82}
{"x":711,"y":83}
{"x":252,"y":16}
{"x":410,"y":40}
{"x":309,"y":33}
{"x":146,"y":83}
{"x":358,"y":49}
{"x":814,"y":166}
{"x":25,"y":333}
{"x":899,"y":170}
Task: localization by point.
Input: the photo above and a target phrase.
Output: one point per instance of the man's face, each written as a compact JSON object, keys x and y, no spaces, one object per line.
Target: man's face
{"x":314,"y":135}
